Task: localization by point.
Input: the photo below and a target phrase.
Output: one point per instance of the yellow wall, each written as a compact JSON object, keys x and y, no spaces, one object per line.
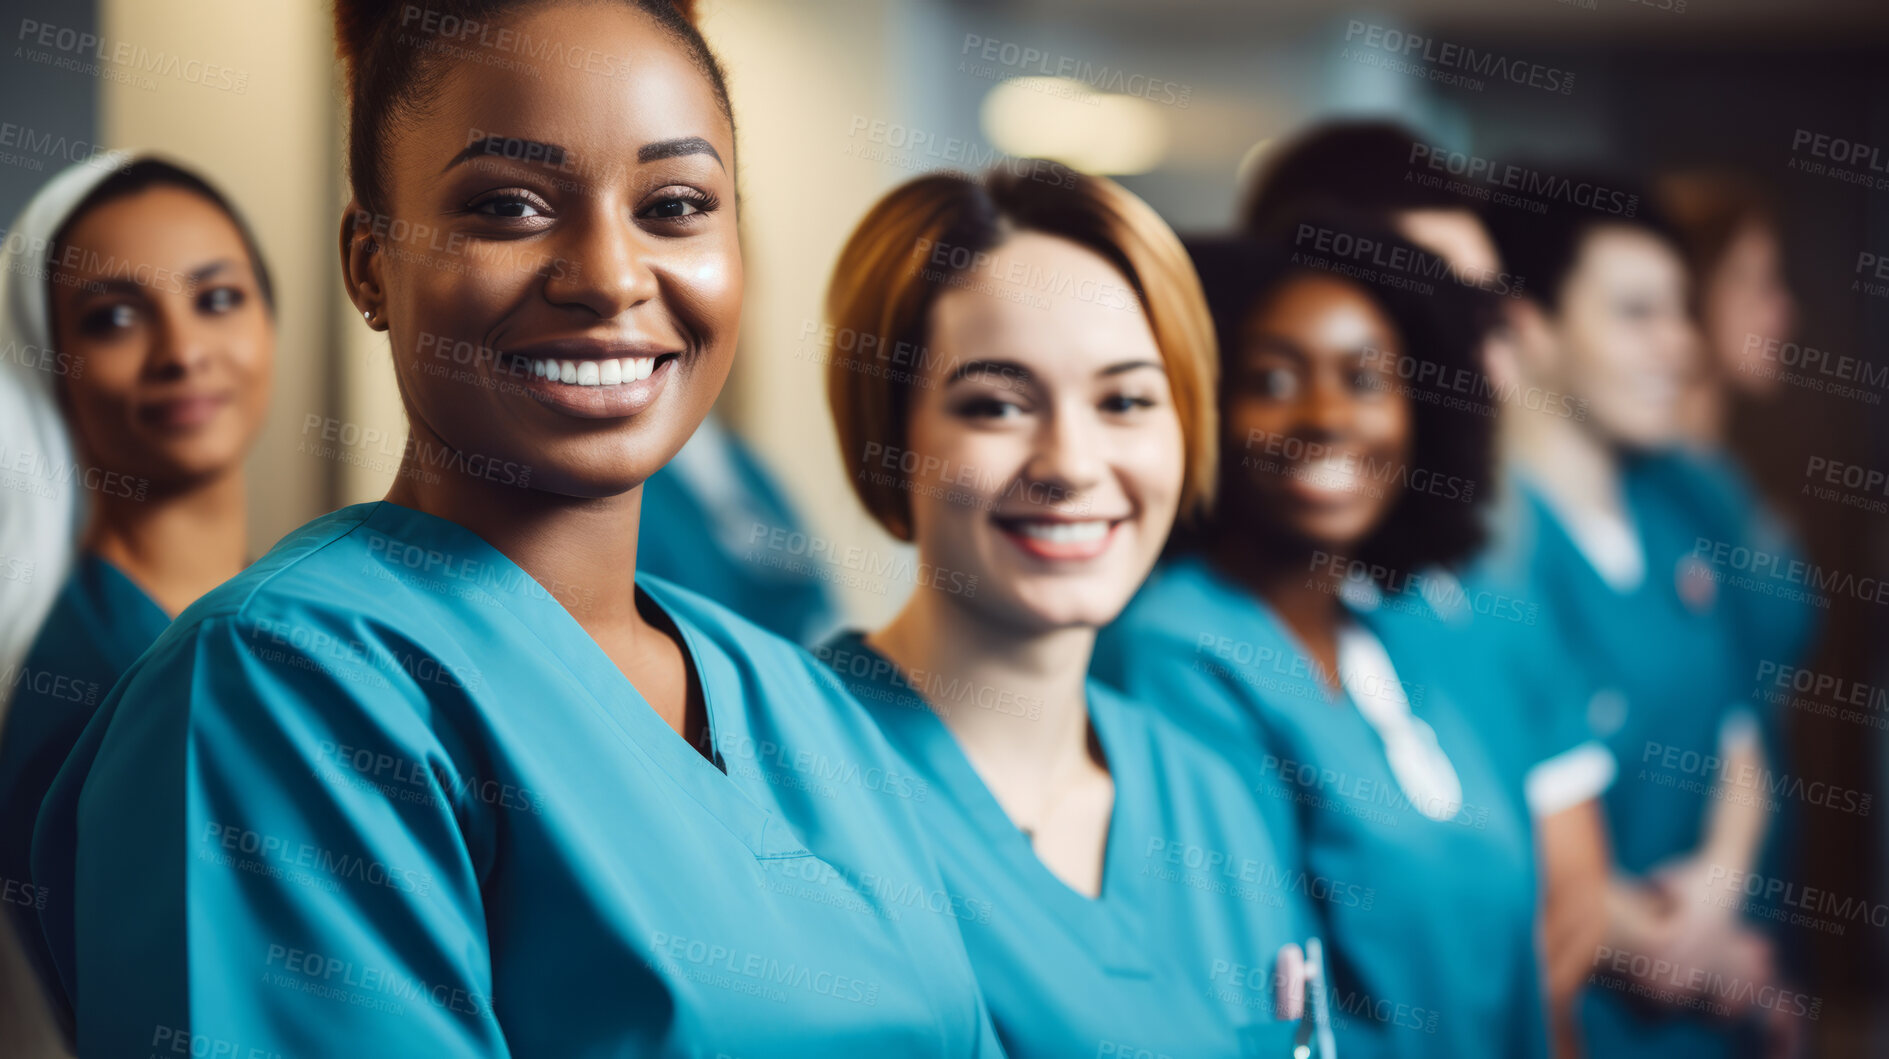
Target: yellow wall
{"x":272,"y":147}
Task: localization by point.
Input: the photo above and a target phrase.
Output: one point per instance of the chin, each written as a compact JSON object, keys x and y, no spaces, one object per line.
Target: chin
{"x":1055,"y":607}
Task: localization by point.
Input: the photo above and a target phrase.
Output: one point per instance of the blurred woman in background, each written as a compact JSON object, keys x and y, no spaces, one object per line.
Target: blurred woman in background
{"x":1310,"y":620}
{"x":1742,"y":302}
{"x":1374,"y":167}
{"x":149,"y":313}
{"x":1130,"y":894}
{"x":440,"y":772}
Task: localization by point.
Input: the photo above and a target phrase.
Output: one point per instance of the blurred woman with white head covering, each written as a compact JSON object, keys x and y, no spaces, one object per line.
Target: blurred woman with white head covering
{"x":138,"y":344}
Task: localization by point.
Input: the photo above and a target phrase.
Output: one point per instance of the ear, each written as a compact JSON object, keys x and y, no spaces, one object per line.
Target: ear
{"x":361,"y":263}
{"x":1523,"y":346}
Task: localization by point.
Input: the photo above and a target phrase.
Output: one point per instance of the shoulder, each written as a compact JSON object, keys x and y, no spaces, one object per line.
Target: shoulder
{"x":1182,"y":601}
{"x":319,"y":627}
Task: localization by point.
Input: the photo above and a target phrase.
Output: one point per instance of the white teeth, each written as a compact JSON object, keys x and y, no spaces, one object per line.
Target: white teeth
{"x":595,"y":372}
{"x":1064,"y":532}
{"x":1330,"y":473}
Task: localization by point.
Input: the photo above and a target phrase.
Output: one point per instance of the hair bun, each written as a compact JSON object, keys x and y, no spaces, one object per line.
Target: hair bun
{"x":686,"y":8}
{"x":357,"y":23}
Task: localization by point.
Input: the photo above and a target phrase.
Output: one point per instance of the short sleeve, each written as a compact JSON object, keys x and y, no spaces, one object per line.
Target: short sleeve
{"x":241,"y":886}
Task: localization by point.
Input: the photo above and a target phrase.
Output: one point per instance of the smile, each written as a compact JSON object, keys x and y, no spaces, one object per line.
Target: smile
{"x":1060,"y":539}
{"x":615,"y":371}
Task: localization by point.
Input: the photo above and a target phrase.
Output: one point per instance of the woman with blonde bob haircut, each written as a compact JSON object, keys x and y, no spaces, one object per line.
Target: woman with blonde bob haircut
{"x":1022,"y":377}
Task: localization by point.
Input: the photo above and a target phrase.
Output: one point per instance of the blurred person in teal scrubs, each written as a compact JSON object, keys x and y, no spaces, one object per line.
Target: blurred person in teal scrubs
{"x":442,"y":775}
{"x":1390,"y":172}
{"x":153,"y":306}
{"x":1742,"y":302}
{"x":1616,"y":526}
{"x":1132,"y":892}
{"x":1312,"y":618}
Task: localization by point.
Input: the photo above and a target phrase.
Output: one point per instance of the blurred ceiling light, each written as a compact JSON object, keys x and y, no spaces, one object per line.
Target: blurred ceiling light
{"x":1064,"y":119}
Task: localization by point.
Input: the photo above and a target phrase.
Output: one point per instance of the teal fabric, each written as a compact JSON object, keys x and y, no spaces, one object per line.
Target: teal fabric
{"x":382,"y":795}
{"x":98,"y":625}
{"x":1431,"y":937}
{"x":760,"y":564}
{"x":1174,"y":957}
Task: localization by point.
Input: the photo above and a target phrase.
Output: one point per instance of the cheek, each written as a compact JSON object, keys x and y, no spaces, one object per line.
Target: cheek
{"x":1392,"y":424}
{"x":1154,"y":461}
{"x":705,"y":287}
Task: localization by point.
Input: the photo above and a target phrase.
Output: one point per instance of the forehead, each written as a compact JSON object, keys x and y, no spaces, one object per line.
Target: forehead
{"x":163,"y":226}
{"x":1319,"y":313}
{"x":1618,"y":250}
{"x":1046,"y":302}
{"x":599,"y":79}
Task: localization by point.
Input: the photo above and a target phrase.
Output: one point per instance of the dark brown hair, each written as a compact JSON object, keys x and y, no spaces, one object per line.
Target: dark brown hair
{"x":1452,"y":424}
{"x":393,"y":67}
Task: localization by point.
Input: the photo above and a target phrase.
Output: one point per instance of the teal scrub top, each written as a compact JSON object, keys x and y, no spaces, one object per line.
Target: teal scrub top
{"x":1432,"y":953}
{"x":1667,"y":664}
{"x":99,"y":624}
{"x":1778,"y":628}
{"x":382,"y":794}
{"x":757,"y":560}
{"x":1536,"y":692}
{"x":1662,"y":719}
{"x":1175,"y":956}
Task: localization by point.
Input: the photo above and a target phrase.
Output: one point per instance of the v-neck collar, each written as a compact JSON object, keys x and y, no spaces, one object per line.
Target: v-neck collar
{"x":1110,"y":924}
{"x":1550,"y":520}
{"x":739,"y":803}
{"x":121,"y":604}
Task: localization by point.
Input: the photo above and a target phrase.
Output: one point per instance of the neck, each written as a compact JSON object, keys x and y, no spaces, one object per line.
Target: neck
{"x":179,"y":545}
{"x":1568,"y":461}
{"x":582,"y":550}
{"x":1301,"y":594}
{"x":1036,"y":681}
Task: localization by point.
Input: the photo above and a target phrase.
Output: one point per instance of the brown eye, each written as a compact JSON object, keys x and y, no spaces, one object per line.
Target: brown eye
{"x":108,"y":319}
{"x":219,"y":300}
{"x":1278,"y":384}
{"x":510,"y":205}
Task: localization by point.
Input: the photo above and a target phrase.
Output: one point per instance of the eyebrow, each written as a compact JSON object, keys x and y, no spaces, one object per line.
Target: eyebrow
{"x":537,"y":152}
{"x":654,"y":152}
{"x":1128,"y":366}
{"x":1009,"y":369}
{"x":203,"y":272}
{"x":126,"y":286}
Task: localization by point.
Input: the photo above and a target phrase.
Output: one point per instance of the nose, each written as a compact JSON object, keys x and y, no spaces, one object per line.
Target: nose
{"x":1068,"y":457}
{"x":180,"y":345}
{"x":1682,"y":343}
{"x":603,"y":265}
{"x":1326,"y":408}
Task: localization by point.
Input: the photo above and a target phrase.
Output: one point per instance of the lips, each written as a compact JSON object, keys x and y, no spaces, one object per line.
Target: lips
{"x":186,"y":412}
{"x":593,"y":379}
{"x":1060,"y":539}
{"x":1327,"y":480}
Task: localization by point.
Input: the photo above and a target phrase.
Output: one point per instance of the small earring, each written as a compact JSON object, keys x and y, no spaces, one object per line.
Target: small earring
{"x":368,"y":315}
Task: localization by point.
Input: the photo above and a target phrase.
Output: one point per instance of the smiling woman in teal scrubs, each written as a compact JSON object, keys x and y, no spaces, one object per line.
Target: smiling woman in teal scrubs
{"x":161,"y":388}
{"x":1308,"y":621}
{"x":1627,"y":543}
{"x":439,"y":775}
{"x":1131,"y":892}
